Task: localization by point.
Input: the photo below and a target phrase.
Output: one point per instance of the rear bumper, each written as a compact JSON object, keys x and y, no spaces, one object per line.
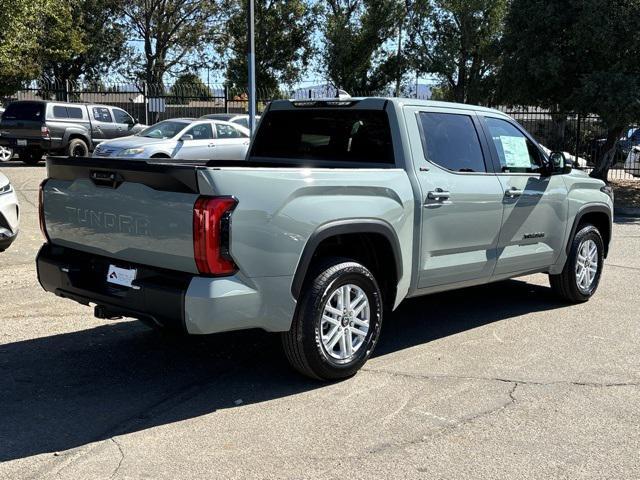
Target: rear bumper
{"x":158,"y":296}
{"x":31,"y":144}
{"x":179,"y":301}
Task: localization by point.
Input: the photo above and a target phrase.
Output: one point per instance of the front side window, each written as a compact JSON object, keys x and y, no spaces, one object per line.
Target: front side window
{"x":201,"y":132}
{"x":516,"y":152}
{"x":451,"y":141}
{"x":122,"y":117}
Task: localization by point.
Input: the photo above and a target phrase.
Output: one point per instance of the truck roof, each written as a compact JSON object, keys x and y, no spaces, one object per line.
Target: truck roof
{"x":375,"y":103}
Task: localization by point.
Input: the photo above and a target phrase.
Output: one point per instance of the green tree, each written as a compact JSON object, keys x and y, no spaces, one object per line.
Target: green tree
{"x":103,"y":40}
{"x":189,"y":86}
{"x":35,"y":32}
{"x":356,"y":51}
{"x":458,"y":42}
{"x":575,"y":55}
{"x":174,"y":35}
{"x":283,"y":44}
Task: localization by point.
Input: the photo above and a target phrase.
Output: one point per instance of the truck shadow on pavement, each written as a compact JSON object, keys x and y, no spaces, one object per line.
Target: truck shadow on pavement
{"x":69,"y":390}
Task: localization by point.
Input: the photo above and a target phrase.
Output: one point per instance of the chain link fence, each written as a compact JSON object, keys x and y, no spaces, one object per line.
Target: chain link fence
{"x":581,"y":136}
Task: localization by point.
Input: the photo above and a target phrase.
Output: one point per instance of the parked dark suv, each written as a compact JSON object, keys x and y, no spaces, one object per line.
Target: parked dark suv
{"x":33,"y":128}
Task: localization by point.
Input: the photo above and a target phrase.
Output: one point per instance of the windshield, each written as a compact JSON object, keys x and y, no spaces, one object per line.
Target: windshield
{"x":165,"y":129}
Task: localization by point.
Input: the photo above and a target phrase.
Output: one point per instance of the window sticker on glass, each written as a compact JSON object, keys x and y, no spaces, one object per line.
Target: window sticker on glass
{"x":516,"y":153}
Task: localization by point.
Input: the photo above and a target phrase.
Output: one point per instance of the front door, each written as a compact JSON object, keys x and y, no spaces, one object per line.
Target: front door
{"x":102,"y":126}
{"x":535,"y":205}
{"x":461,"y":198}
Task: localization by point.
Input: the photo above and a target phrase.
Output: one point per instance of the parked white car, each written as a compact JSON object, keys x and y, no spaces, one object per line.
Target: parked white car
{"x":238,"y":119}
{"x":632,"y":164}
{"x":578,"y":163}
{"x":9,"y":213}
{"x":6,"y":153}
{"x":181,"y":138}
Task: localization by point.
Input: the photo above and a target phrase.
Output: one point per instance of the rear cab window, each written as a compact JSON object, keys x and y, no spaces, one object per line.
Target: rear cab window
{"x":102,"y":114}
{"x":25,"y":111}
{"x":326,"y":136}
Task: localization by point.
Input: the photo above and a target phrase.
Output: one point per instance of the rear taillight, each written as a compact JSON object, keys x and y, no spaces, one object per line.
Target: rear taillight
{"x":43,"y":224}
{"x":211,"y":235}
{"x":45,"y":132}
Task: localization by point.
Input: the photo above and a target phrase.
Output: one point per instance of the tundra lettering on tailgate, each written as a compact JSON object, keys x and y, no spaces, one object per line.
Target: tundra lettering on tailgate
{"x":106,"y":221}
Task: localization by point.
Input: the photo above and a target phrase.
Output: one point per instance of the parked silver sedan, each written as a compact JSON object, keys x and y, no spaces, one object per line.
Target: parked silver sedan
{"x":181,"y":138}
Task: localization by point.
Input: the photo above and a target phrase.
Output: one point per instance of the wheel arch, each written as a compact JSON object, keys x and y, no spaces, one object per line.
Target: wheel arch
{"x":598,"y":215}
{"x":371,"y":231}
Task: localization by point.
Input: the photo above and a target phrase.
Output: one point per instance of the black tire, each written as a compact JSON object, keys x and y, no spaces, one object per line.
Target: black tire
{"x":565,"y":284}
{"x":303,"y":343}
{"x":77,"y":148}
{"x":30,"y":157}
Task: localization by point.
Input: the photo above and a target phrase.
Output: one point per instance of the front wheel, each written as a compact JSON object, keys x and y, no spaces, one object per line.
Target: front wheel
{"x":581,"y":274}
{"x":337,"y":322}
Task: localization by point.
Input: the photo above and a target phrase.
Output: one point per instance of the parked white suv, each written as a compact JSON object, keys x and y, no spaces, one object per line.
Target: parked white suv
{"x":9,"y":213}
{"x":181,"y":138}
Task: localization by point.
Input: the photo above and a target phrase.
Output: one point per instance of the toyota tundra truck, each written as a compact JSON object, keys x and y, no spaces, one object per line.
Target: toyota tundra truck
{"x":342,"y":209}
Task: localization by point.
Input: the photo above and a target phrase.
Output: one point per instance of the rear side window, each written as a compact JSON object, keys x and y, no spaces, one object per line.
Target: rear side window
{"x":60,"y":111}
{"x":102,"y":114}
{"x":24,"y":111}
{"x":227,"y":131}
{"x":74,"y":112}
{"x":451,"y":141}
{"x":326,"y":135}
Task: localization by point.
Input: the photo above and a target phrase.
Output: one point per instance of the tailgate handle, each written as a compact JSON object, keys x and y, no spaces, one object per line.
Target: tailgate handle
{"x":106,"y":179}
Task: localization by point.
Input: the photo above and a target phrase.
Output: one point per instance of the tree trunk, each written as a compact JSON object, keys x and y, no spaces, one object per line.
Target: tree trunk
{"x":604,"y":162}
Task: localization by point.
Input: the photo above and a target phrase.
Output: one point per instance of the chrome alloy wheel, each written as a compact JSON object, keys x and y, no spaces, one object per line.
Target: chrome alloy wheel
{"x":345,"y":321}
{"x":5,"y":154}
{"x":586,"y":265}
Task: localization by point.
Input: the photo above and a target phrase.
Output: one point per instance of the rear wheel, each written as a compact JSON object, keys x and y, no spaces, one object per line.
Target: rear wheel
{"x":77,"y":148}
{"x":581,"y":274}
{"x":337,"y":322}
{"x":31,"y":157}
{"x":6,"y":154}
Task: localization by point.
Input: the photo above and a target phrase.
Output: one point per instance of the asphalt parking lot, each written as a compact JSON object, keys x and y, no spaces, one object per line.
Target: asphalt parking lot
{"x":500,"y":381}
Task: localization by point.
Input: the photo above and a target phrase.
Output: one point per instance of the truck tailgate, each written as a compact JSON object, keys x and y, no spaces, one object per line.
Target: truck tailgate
{"x":129,"y":211}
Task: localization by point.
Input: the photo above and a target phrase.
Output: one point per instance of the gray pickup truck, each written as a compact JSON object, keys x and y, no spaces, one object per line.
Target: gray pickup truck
{"x":342,"y":210}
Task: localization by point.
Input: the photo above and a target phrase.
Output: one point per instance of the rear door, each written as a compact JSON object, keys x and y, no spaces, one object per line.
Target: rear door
{"x":231,"y":143}
{"x":535,"y":205}
{"x":461,"y":204}
{"x":103,"y":127}
{"x":201,"y":147}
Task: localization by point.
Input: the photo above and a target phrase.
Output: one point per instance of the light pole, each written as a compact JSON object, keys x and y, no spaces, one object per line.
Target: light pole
{"x":251,"y":60}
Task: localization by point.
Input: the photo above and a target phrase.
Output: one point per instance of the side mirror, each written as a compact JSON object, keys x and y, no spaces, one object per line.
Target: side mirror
{"x":559,"y":164}
{"x":186,"y":137}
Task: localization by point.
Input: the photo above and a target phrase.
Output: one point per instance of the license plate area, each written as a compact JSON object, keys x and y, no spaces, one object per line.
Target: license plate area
{"x":21,"y":143}
{"x":123,"y":277}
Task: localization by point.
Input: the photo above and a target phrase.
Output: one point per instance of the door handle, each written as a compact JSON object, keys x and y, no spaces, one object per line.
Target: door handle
{"x":438,"y":194}
{"x":513,"y":192}
{"x":211,"y":145}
